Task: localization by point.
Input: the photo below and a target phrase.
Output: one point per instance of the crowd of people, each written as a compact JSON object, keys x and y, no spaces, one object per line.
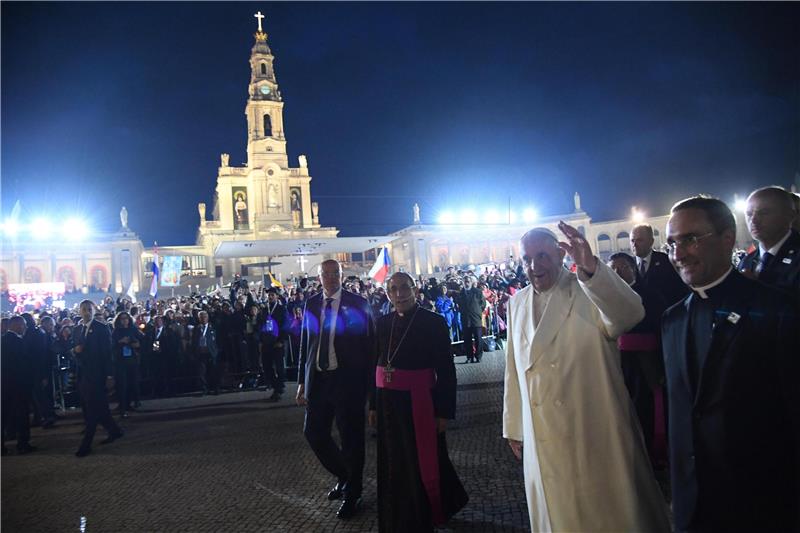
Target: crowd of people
{"x":702,"y":339}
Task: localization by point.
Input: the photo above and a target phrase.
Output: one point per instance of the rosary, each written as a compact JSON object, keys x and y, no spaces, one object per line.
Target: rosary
{"x":388,"y":369}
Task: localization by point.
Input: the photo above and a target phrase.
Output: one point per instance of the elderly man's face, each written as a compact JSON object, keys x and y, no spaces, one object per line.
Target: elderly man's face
{"x":87,"y":310}
{"x":623,"y":269}
{"x":543,"y":261}
{"x":768,"y":218}
{"x":642,"y":242}
{"x":402,"y":293}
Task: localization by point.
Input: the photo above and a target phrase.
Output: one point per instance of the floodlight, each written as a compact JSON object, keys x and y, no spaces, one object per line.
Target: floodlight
{"x":529,"y":215}
{"x":740,"y":204}
{"x":512,"y":217}
{"x":637,"y":216}
{"x":10,"y":227}
{"x":446,"y":218}
{"x":468,"y":216}
{"x":75,"y":229}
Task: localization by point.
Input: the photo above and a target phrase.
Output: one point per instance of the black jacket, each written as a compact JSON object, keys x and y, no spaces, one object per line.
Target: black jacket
{"x":662,"y":277}
{"x":354,"y":342}
{"x":735,"y":442}
{"x":94,"y":361}
{"x":783,"y":271}
{"x":471,"y":304}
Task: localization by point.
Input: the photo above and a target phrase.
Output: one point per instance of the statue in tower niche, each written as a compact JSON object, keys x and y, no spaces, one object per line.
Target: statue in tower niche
{"x":224,"y":159}
{"x":416,"y":213}
{"x":296,"y":205}
{"x":302,"y":160}
{"x":240,"y":214}
{"x":201,"y":208}
{"x":272,"y":195}
{"x":123,"y":217}
{"x":577,"y":199}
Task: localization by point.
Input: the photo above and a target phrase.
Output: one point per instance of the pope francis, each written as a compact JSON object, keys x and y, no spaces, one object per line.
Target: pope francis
{"x":566,"y":412}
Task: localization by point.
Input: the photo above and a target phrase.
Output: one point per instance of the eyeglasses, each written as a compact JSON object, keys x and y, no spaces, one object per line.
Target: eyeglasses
{"x":690,"y":241}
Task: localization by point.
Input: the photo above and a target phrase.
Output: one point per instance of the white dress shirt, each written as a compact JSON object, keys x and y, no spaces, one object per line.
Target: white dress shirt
{"x":337,"y":299}
{"x":647,"y":260}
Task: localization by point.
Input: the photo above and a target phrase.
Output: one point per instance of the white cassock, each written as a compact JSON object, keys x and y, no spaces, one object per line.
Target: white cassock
{"x":584,"y":458}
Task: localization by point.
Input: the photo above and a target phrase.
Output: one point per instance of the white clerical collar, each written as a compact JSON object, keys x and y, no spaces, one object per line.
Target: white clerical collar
{"x":553,"y":287}
{"x":701,"y":291}
{"x":335,"y":296}
{"x":775,"y":249}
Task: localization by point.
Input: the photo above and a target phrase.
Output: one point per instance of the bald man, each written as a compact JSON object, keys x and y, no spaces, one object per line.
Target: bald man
{"x":336,"y":368}
{"x":769,"y":214}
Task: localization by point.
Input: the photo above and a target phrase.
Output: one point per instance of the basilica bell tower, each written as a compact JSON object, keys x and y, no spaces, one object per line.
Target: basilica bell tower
{"x":266,"y":142}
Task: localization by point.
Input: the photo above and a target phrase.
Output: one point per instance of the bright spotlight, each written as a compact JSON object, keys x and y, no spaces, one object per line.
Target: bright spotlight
{"x":446,"y":218}
{"x":468,"y":216}
{"x":529,"y":215}
{"x":10,"y":227}
{"x":491,"y":217}
{"x":740,"y":204}
{"x":637,"y":216}
{"x":512,"y":217}
{"x":41,"y":228}
{"x":75,"y":229}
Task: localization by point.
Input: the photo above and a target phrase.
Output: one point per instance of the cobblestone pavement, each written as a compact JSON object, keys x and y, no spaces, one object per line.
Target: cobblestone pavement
{"x":237,"y":463}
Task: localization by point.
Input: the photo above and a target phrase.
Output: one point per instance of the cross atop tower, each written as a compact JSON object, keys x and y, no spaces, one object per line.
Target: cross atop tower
{"x":259,"y":16}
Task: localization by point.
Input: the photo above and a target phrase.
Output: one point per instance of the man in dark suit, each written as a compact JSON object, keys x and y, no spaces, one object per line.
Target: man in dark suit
{"x":274,"y":334}
{"x":204,"y":350}
{"x":730,"y":350}
{"x":654,"y":268}
{"x":335,"y":372}
{"x":471,"y":304}
{"x":17,"y":375}
{"x":769,"y":214}
{"x":93,"y":352}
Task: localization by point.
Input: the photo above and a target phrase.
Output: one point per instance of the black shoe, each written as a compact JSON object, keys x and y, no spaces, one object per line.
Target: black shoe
{"x":349,"y":508}
{"x":48,"y":424}
{"x":276,"y":396}
{"x":83,"y":452}
{"x":336,"y":492}
{"x":26,"y":448}
{"x":137,"y":404}
{"x":124,"y":414}
{"x":111,"y":438}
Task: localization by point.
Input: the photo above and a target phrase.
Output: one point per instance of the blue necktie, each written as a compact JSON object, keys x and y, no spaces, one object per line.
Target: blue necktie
{"x":325,"y":340}
{"x":766,"y":259}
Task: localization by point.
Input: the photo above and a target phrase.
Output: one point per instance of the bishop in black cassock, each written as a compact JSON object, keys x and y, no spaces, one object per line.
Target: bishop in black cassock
{"x":415,"y":393}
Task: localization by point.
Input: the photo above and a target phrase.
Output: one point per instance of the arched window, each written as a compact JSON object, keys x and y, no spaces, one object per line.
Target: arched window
{"x":623,"y":241}
{"x":267,"y":126}
{"x":603,"y":246}
{"x":32,"y":275}
{"x":264,"y":69}
{"x":98,"y":276}
{"x":67,"y":275}
{"x":656,"y":238}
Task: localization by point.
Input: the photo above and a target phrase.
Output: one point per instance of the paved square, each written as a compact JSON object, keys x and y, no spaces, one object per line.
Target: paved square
{"x":238,"y":463}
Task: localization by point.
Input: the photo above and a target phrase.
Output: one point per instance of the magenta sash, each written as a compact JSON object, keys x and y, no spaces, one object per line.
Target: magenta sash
{"x":638,"y":342}
{"x":419,"y":383}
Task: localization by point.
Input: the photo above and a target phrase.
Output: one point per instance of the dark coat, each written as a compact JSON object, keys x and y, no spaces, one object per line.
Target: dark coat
{"x":783,"y":271}
{"x":662,"y":277}
{"x":354,"y":342}
{"x":211,"y":342}
{"x":17,"y":369}
{"x":471,"y":304}
{"x":734,"y":442}
{"x":94,"y":362}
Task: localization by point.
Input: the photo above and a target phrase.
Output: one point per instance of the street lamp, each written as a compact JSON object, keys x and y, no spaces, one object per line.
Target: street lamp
{"x":637,"y":216}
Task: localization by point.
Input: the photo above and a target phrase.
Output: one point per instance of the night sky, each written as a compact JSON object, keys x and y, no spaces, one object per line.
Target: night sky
{"x":451,"y":105}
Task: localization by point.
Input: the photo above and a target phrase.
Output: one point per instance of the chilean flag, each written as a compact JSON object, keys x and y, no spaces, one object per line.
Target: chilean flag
{"x":154,"y":283}
{"x":381,"y":267}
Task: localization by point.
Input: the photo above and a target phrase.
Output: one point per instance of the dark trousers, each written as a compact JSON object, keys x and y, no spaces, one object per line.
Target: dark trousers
{"x":473,"y":337}
{"x":325,"y":405}
{"x":273,"y":364}
{"x":94,"y":403}
{"x":43,"y":402}
{"x":16,"y":417}
{"x":253,"y":352}
{"x":127,"y":384}
{"x":208,"y":373}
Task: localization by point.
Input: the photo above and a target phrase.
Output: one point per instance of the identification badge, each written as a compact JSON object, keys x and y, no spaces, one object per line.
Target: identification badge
{"x":733,"y":318}
{"x":787,"y":261}
{"x":126,"y":351}
{"x":268,"y":326}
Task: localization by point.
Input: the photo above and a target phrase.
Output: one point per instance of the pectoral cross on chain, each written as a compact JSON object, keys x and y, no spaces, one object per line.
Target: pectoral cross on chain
{"x":387,"y":373}
{"x":259,"y":16}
